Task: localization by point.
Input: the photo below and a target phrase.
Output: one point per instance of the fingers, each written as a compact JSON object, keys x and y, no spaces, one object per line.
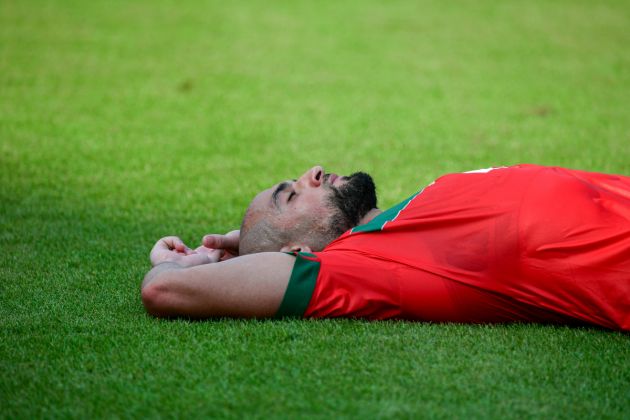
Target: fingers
{"x":213,"y":241}
{"x":229,"y":241}
{"x":214,"y":255}
{"x":178,"y":245}
{"x":168,"y":249}
{"x":205,"y":256}
{"x":171,"y":242}
{"x":215,"y":248}
{"x":174,"y":243}
{"x":205,"y":250}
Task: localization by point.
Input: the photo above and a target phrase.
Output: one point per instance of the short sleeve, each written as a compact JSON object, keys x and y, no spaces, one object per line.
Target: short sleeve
{"x":342,"y":283}
{"x":301,"y":285}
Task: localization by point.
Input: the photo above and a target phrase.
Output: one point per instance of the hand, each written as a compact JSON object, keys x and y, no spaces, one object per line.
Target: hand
{"x":227,"y":244}
{"x":173,"y":249}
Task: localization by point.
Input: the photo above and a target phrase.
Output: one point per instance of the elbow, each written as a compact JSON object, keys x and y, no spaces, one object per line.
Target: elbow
{"x":155,"y":298}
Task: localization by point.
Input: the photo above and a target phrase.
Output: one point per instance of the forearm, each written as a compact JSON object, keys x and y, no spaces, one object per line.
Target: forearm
{"x":248,"y":286}
{"x":157,"y":270}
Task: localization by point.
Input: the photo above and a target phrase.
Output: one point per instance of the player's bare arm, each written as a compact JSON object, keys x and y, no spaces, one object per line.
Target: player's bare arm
{"x":197,"y":284}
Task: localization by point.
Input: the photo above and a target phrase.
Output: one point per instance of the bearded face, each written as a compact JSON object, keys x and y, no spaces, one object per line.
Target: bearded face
{"x":351,"y":201}
{"x":308,"y":212}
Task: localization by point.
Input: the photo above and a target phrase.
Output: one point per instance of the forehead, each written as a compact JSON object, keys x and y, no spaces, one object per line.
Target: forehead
{"x":263,"y":199}
{"x":257,"y":208}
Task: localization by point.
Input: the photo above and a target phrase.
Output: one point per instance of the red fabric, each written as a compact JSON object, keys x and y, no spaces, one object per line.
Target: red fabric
{"x":524,"y":243}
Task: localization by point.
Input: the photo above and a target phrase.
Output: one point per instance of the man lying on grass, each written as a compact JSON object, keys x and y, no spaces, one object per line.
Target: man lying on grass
{"x":524,"y":243}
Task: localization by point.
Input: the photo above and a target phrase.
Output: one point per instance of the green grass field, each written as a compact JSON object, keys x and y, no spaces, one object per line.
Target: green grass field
{"x":122,"y":122}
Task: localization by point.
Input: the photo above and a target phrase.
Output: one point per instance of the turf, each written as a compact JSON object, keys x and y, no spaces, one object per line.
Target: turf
{"x":121,"y":122}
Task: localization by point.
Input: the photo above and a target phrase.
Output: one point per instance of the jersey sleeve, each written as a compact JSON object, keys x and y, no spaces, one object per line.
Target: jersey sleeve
{"x":342,"y":284}
{"x":301,"y":285}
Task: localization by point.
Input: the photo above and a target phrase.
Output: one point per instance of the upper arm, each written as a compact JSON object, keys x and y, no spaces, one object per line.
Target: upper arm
{"x":247,"y":286}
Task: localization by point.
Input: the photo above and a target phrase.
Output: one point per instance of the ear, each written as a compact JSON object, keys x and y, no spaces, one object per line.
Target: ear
{"x":296,"y":248}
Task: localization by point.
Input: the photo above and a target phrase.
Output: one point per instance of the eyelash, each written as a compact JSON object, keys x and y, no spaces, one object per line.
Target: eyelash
{"x":290,"y":197}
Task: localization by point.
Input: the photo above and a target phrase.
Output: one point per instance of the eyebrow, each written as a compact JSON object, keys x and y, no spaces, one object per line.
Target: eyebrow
{"x":283,"y":186}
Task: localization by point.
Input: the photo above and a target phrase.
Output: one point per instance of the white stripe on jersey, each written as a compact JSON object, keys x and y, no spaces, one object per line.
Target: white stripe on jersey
{"x":484,"y":171}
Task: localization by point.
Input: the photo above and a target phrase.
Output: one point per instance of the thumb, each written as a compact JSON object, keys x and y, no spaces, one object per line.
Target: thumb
{"x":219,"y":241}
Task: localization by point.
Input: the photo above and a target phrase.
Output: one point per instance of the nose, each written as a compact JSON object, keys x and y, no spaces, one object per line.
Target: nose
{"x":314,"y":177}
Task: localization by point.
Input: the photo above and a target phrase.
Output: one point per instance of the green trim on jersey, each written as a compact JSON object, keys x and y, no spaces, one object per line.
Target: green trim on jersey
{"x":300,"y":287}
{"x":306,"y":268}
{"x":387,"y":216}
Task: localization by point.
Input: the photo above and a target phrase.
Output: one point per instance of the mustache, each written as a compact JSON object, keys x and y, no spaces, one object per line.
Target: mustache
{"x":350,"y":177}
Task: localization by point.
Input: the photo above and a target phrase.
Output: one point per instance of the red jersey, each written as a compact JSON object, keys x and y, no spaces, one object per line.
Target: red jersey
{"x":524,"y":243}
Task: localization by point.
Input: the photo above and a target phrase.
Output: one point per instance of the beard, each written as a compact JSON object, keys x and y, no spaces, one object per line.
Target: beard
{"x":351,"y":201}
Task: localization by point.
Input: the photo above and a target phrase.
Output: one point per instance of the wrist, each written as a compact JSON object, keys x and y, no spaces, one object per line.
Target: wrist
{"x":159,"y":269}
{"x":166,"y":265}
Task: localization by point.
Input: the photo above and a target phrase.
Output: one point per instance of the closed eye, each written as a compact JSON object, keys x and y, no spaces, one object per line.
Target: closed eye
{"x":290,"y":196}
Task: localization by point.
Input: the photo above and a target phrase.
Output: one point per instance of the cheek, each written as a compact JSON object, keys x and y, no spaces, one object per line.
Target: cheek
{"x":310,"y":208}
{"x":313,"y":204}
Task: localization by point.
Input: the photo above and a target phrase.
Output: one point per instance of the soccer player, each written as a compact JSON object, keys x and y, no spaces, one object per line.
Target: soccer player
{"x":525,"y":243}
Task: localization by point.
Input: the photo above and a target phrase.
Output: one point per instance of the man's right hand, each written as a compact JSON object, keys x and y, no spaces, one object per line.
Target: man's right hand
{"x":227,"y":243}
{"x":171,"y":249}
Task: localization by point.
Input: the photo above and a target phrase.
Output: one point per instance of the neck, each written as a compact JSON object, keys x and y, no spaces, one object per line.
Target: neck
{"x":369,"y":216}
